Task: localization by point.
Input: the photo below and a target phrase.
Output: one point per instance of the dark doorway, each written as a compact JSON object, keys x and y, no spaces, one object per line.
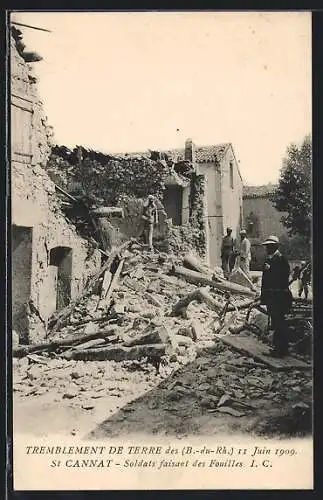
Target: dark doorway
{"x":61,"y":257}
{"x":21,"y":279}
{"x":173,"y":199}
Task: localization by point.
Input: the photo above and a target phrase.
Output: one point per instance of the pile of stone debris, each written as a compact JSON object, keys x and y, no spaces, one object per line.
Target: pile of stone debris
{"x":149,"y":316}
{"x":82,"y":384}
{"x":146,"y":306}
{"x":248,"y":394}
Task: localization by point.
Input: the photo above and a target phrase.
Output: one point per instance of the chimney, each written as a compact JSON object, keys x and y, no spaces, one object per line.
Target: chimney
{"x":189,"y":150}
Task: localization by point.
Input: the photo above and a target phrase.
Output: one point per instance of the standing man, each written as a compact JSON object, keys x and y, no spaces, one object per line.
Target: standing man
{"x":245,"y":252}
{"x":150,"y":217}
{"x":304,"y":279}
{"x":275,"y":294}
{"x":226,"y":252}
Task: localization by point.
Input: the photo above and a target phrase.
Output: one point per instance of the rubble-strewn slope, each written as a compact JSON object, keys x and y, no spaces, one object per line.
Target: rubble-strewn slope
{"x":187,"y":380}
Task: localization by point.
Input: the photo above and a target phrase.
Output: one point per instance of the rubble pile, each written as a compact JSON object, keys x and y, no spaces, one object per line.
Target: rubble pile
{"x":219,"y":383}
{"x":237,"y":380}
{"x":157,"y":306}
{"x":150,"y":327}
{"x":81,"y":384}
{"x":137,"y":308}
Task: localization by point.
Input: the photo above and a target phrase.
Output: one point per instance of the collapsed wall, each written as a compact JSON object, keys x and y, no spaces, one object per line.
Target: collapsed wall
{"x":126,"y":181}
{"x":50,"y":262}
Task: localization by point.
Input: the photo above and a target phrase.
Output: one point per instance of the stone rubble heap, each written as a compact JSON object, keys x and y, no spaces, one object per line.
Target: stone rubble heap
{"x":218,"y":381}
{"x":137,"y":340}
{"x":149,"y":306}
{"x":138,"y":320}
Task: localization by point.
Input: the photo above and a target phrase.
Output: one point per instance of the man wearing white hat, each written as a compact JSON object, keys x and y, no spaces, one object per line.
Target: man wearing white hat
{"x":245,"y":252}
{"x":275,"y":294}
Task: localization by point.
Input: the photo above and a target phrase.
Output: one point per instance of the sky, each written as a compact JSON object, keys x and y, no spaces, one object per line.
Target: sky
{"x":127,"y":82}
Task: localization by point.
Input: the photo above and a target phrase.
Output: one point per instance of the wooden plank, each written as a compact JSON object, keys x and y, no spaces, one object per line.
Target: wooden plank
{"x":114,"y":281}
{"x":193,"y":263}
{"x":240,"y":278}
{"x":65,"y":193}
{"x":22,"y":351}
{"x":20,"y":106}
{"x":249,"y":345}
{"x":202,"y":295}
{"x":109,"y":283}
{"x":23,"y":98}
{"x":200,"y":279}
{"x":107,"y":277}
{"x":30,"y":26}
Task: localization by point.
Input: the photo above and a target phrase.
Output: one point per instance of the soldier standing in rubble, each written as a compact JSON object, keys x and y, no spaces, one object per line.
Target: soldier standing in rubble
{"x":150,"y":218}
{"x":227,"y":252}
{"x":245,"y":252}
{"x":276,"y":295}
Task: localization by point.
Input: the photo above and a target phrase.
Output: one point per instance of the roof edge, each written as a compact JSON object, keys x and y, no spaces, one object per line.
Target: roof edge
{"x":250,"y":196}
{"x":230,"y":145}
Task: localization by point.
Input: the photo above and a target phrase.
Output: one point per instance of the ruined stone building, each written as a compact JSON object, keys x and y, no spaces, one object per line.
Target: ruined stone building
{"x":50,"y":262}
{"x":222,"y":193}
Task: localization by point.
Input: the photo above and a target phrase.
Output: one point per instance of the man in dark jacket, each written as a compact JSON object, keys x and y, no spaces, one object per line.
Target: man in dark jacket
{"x":227,"y":252}
{"x":275,"y":294}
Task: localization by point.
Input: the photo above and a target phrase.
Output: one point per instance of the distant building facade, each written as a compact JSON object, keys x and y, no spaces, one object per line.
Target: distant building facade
{"x":261,"y":219}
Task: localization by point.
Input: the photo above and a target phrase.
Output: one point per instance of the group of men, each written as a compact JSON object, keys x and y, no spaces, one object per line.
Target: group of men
{"x":230,"y":253}
{"x":275,"y":292}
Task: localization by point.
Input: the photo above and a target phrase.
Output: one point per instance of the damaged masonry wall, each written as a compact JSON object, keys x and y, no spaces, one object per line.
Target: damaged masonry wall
{"x":125,"y":181}
{"x":50,"y":262}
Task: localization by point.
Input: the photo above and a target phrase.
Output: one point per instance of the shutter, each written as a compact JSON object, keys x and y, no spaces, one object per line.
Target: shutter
{"x":21,"y":129}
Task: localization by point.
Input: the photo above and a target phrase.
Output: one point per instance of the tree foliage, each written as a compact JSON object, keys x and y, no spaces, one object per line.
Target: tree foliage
{"x":294,"y":192}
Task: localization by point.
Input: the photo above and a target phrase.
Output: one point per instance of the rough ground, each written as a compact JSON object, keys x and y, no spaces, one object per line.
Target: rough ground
{"x":109,"y":399}
{"x":71,"y":397}
{"x":203,"y":387}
